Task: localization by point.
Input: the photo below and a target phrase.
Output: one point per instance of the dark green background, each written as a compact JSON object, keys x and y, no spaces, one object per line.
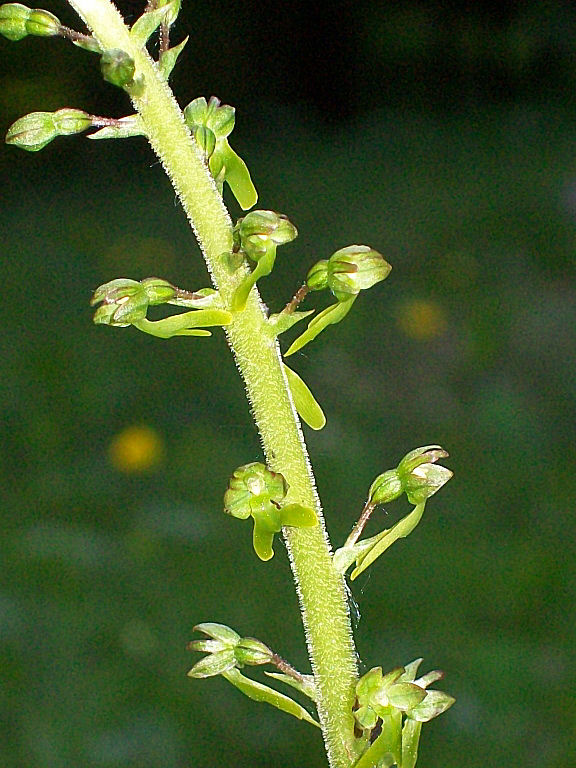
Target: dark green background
{"x":444,"y":135}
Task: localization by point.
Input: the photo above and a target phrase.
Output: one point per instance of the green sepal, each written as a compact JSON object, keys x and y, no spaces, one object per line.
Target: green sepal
{"x":434,"y":704}
{"x":219,"y":632}
{"x":304,"y":401}
{"x":168,"y":59}
{"x":259,"y":692}
{"x":329,"y":316}
{"x":305,"y":686}
{"x":262,"y":268}
{"x":214,"y":664}
{"x":380,"y":543}
{"x":185,"y":324}
{"x":410,"y":738}
{"x":283,"y":321}
{"x":236,"y":174}
{"x":128,"y":126}
{"x":145,"y":26}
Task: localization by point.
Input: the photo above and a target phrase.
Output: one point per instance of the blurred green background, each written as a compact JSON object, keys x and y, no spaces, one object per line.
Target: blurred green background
{"x":441,"y":133}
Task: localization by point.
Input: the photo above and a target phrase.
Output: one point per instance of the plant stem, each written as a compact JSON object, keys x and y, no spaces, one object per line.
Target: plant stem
{"x":321,"y":589}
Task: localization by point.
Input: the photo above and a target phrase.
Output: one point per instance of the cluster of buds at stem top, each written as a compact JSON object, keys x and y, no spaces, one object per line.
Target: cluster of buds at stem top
{"x":347,"y":272}
{"x":257,"y":235}
{"x":125,"y":302}
{"x":255,"y":491}
{"x":211,"y":123}
{"x":226,"y":649}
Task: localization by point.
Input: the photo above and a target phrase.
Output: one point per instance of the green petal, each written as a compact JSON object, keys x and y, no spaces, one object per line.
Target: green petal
{"x":304,"y":401}
{"x":259,"y":692}
{"x":330,"y":316}
{"x":218,"y":632}
{"x":214,"y":664}
{"x":262,"y":268}
{"x":262,"y":540}
{"x":185,"y":324}
{"x":410,"y":738}
{"x":237,"y":176}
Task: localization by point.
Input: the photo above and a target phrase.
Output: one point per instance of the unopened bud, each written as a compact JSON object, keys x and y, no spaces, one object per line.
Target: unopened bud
{"x":34,"y":131}
{"x":387,"y":487}
{"x":17,"y":21}
{"x":317,"y":277}
{"x":117,"y":67}
{"x":252,"y":652}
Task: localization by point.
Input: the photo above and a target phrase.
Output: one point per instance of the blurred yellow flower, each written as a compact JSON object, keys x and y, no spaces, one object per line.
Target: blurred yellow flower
{"x":135,"y":449}
{"x":422,"y":319}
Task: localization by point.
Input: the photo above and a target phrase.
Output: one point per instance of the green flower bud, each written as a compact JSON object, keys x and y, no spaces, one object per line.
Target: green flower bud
{"x":117,"y":67}
{"x":419,"y":474}
{"x":252,"y":652}
{"x":387,"y":487}
{"x":158,"y":291}
{"x":317,"y":277}
{"x":34,"y":131}
{"x":71,"y":121}
{"x":355,"y":268}
{"x":17,"y":21}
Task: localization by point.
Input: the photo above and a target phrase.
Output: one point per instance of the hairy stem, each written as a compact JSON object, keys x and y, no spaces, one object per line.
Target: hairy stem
{"x":320,"y":588}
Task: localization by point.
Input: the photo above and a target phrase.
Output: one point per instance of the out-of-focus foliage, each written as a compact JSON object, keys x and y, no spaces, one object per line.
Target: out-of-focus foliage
{"x":116,"y":447}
